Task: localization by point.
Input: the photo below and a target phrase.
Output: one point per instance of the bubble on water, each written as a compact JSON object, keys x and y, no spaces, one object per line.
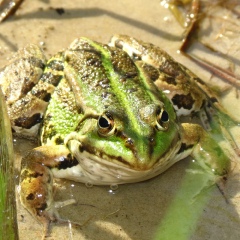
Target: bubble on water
{"x":88,"y":184}
{"x":114,"y":187}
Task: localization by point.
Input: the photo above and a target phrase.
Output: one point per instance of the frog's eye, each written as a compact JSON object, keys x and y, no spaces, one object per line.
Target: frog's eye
{"x":162,"y":119}
{"x":105,"y":124}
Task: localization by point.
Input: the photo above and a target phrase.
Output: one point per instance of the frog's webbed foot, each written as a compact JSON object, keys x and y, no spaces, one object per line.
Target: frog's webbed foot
{"x":51,"y":215}
{"x":36,"y":184}
{"x":218,"y":123}
{"x":210,"y":164}
{"x":206,"y":151}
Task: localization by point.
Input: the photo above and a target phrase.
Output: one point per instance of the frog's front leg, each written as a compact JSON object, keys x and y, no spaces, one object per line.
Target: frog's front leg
{"x":36,"y":183}
{"x":205,"y":150}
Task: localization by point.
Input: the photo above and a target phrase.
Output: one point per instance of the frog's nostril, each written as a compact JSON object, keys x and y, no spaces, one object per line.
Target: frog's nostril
{"x":129,"y":142}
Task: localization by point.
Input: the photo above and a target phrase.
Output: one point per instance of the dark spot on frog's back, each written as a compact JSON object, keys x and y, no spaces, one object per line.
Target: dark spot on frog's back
{"x":170,"y":80}
{"x":28,"y":85}
{"x":152,"y":72}
{"x":42,"y":94}
{"x":56,"y":65}
{"x":51,"y":78}
{"x":183,"y":101}
{"x":36,"y":62}
{"x":94,"y":62}
{"x":47,"y":97}
{"x":28,"y":122}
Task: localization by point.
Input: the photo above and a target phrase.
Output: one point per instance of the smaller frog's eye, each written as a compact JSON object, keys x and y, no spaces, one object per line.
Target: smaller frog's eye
{"x":105,"y":124}
{"x":162,"y":120}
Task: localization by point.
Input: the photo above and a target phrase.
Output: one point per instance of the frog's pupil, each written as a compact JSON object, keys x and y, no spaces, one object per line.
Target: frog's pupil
{"x":103,"y":122}
{"x":164,"y":117}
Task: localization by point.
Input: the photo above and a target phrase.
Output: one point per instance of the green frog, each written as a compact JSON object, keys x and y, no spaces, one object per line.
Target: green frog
{"x":105,"y":114}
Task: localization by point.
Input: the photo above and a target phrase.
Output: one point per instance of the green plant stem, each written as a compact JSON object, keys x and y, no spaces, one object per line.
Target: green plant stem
{"x":8,"y":219}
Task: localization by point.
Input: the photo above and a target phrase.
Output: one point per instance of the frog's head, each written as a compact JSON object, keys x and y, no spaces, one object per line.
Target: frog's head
{"x":136,"y":141}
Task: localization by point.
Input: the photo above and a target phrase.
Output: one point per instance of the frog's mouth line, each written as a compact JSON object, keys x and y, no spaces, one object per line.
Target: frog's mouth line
{"x":98,"y":171}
